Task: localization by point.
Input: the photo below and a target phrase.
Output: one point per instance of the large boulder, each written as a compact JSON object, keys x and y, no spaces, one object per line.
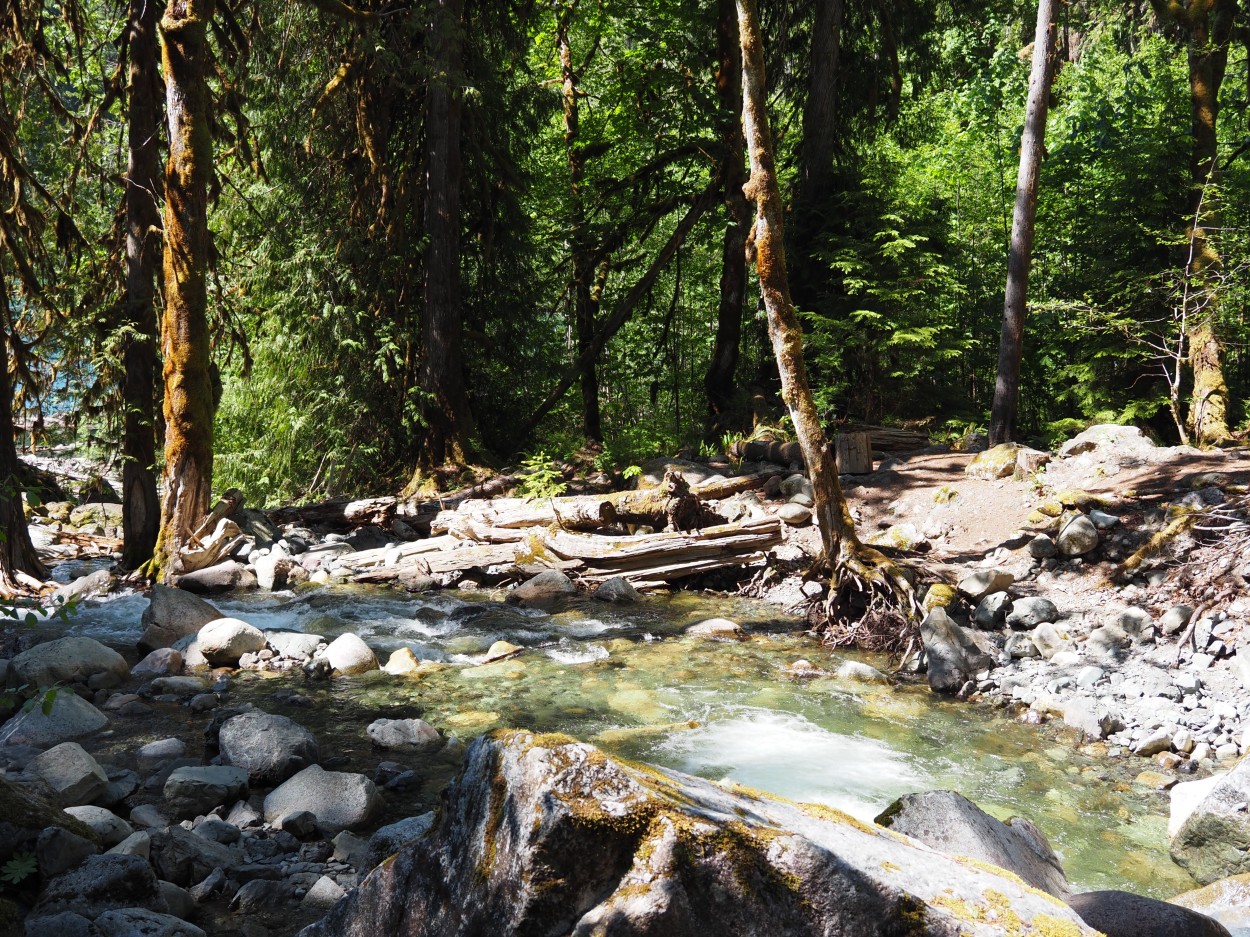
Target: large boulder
{"x":25,"y":813}
{"x":269,"y":748}
{"x":953,"y":657}
{"x":1107,"y":437}
{"x":349,"y":654}
{"x":339,"y":800}
{"x":181,"y":857}
{"x":950,"y":822}
{"x":172,"y":614}
{"x":543,"y":590}
{"x":225,"y":640}
{"x":72,"y":774}
{"x":70,"y":717}
{"x":197,"y":789}
{"x":1123,"y":914}
{"x":1214,"y":840}
{"x":1077,"y":536}
{"x":67,"y":660}
{"x":139,"y":922}
{"x":997,"y":462}
{"x":412,"y":735}
{"x":222,"y":577}
{"x":107,"y":825}
{"x":100,"y":884}
{"x":541,"y":834}
{"x":1228,"y":901}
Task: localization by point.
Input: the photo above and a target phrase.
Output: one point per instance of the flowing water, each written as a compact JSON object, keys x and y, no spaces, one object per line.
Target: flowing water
{"x":625,"y":678}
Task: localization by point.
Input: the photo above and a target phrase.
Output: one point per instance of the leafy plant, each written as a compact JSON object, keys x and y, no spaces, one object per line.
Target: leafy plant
{"x":542,"y":477}
{"x":19,"y":868}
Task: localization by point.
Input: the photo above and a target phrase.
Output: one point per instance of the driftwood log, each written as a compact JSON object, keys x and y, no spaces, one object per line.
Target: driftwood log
{"x":853,"y":452}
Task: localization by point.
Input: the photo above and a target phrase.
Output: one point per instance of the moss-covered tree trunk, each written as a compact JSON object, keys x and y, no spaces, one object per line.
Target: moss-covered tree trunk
{"x":851,"y":561}
{"x":449,"y":426}
{"x":719,"y":380}
{"x":141,"y":509}
{"x":1020,"y":254}
{"x":184,"y":326}
{"x":17,"y":554}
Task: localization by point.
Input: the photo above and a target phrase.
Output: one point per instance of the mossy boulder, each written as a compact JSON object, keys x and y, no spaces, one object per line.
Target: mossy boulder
{"x":542,"y":834}
{"x":998,"y":462}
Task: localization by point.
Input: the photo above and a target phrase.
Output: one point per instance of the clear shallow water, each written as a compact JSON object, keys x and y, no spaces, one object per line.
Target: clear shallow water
{"x":626,"y":679}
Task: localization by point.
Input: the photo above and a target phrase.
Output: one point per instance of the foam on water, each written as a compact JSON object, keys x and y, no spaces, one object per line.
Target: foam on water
{"x":568,"y":653}
{"x":787,"y":754}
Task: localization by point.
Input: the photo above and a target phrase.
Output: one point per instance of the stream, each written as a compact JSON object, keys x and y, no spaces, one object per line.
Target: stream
{"x":626,"y":679}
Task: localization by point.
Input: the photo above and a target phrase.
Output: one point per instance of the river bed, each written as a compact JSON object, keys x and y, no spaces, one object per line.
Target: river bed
{"x":628,"y":680}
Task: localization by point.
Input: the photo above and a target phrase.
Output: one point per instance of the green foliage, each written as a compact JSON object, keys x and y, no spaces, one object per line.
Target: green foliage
{"x":21,"y":867}
{"x":543,"y":477}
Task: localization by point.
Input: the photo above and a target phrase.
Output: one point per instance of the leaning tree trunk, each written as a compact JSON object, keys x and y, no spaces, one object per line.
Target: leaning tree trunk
{"x":1209,"y":25}
{"x":141,"y":510}
{"x":449,"y":426}
{"x":1020,"y":256}
{"x":184,"y":326}
{"x":854,"y":565}
{"x":719,"y":381}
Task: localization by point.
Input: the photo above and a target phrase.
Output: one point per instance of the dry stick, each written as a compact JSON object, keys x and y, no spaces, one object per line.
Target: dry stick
{"x":1189,"y":632}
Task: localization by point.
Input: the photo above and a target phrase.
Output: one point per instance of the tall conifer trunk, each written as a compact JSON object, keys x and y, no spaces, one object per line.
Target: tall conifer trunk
{"x":184,"y":326}
{"x":449,"y":426}
{"x":17,"y":553}
{"x":1020,"y":254}
{"x":853,"y":564}
{"x":719,"y":381}
{"x":141,"y":510}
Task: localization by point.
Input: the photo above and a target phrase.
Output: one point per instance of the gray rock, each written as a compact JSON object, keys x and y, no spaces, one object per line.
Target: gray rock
{"x":1160,"y":740}
{"x":223,"y":577}
{"x":181,"y":857}
{"x":147,"y":816}
{"x":324,"y":894}
{"x":269,"y":748}
{"x":1029,"y":461}
{"x":1042,"y":547}
{"x":57,"y":850}
{"x":65,"y":924}
{"x":1048,"y":640}
{"x":107,"y":825}
{"x":272,"y":568}
{"x":1089,"y":676}
{"x":1020,"y":645}
{"x":950,"y":822}
{"x":219,"y":831}
{"x":74,"y":776}
{"x":350,"y":849}
{"x":1107,"y":437}
{"x":413,"y":735}
{"x":1102,"y":520}
{"x":244,"y":816}
{"x":172,"y":614}
{"x":952,"y":656}
{"x":1175,"y":619}
{"x":71,"y":717}
{"x":1214,"y":840}
{"x":617,"y":589}
{"x":1123,"y":914}
{"x":301,"y":824}
{"x":183,"y":686}
{"x":796,"y":515}
{"x":341,"y":801}
{"x":715,"y":628}
{"x":99,"y":884}
{"x":1091,"y":717}
{"x":261,"y":895}
{"x":1136,"y":623}
{"x":859,"y":672}
{"x":1028,"y":613}
{"x":136,"y":922}
{"x":122,"y":783}
{"x":411,"y":580}
{"x":554,"y":835}
{"x":977,"y":585}
{"x":294,"y":644}
{"x":1077,"y":536}
{"x":192,"y":791}
{"x":162,"y":662}
{"x":393,"y":837}
{"x":348,"y":654}
{"x":796,"y":484}
{"x":180,"y":902}
{"x":84,"y":587}
{"x":225,"y":640}
{"x":546,"y":588}
{"x":155,"y":754}
{"x":66,"y":660}
{"x":992,"y":610}
{"x":1108,"y":645}
{"x":138,"y":844}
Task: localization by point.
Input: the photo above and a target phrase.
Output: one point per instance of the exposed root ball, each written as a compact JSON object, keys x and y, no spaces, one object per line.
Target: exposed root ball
{"x":871,"y":604}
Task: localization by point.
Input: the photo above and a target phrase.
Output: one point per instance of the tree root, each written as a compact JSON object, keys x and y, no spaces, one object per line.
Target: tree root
{"x":871,"y":603}
{"x":1181,"y":524}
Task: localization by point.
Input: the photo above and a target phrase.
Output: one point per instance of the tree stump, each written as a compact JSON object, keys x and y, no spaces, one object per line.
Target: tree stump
{"x":854,"y":453}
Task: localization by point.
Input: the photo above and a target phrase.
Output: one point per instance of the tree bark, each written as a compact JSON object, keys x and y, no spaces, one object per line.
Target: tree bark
{"x":141,"y":511}
{"x":184,"y":325}
{"x":821,"y":108}
{"x":585,"y":304}
{"x":850,"y":560}
{"x":1020,"y":254}
{"x":719,"y":381}
{"x":17,"y":553}
{"x":449,"y":425}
